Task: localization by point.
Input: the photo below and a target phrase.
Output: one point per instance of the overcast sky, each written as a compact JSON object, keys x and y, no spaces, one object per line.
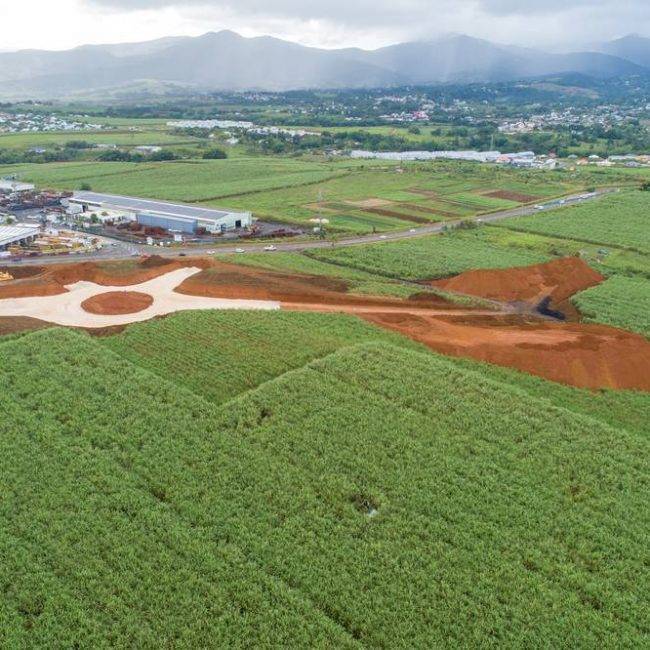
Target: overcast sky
{"x":557,"y":24}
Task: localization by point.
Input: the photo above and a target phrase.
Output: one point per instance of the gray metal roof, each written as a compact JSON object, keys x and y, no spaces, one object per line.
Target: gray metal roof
{"x":164,"y":208}
{"x":11,"y":234}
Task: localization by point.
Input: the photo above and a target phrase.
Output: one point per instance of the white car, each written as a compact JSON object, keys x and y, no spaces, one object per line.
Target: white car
{"x":239,"y":250}
{"x":382,"y":237}
{"x":412,"y":230}
{"x":539,"y":207}
{"x":210,"y":252}
{"x":270,"y":248}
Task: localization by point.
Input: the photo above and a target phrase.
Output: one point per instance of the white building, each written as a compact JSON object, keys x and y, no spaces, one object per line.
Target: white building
{"x":476,"y":156}
{"x":10,"y":186}
{"x":17,"y":234}
{"x":174,"y":217}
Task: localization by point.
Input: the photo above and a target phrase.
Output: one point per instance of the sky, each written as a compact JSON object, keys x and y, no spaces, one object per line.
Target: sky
{"x":551,"y":24}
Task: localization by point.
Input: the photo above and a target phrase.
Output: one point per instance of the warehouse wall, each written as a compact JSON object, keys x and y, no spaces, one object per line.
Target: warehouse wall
{"x":168,"y":223}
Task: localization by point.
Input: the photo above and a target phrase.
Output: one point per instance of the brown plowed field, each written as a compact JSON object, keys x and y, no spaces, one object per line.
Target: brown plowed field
{"x":113,"y":303}
{"x":588,"y":356}
{"x":557,"y":280}
{"x":511,"y":196}
{"x":397,"y":215}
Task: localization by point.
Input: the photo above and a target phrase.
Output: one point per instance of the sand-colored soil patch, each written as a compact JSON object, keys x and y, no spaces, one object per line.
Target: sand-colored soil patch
{"x":587,"y":356}
{"x":117,"y":302}
{"x":371,"y":203}
{"x":557,"y":281}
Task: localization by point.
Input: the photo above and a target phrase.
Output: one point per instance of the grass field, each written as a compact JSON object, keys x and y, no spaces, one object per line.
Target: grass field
{"x":118,"y":137}
{"x":619,"y":220}
{"x":380,"y":497}
{"x":620,"y":301}
{"x":356,"y":196}
{"x":423,"y":193}
{"x":431,"y":257}
{"x":182,"y":181}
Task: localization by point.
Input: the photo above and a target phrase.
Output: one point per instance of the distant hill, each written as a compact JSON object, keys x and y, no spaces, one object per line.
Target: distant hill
{"x":633,"y":48}
{"x":228,"y":61}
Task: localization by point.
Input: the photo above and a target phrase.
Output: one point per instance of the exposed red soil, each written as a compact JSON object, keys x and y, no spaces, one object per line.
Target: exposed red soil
{"x":590,"y":356}
{"x":22,"y":272}
{"x":50,"y":281}
{"x":511,"y":196}
{"x":122,"y":273}
{"x":232,"y":281}
{"x":587,"y":356}
{"x":113,"y":303}
{"x":13,"y":324}
{"x":397,"y":215}
{"x":557,"y":280}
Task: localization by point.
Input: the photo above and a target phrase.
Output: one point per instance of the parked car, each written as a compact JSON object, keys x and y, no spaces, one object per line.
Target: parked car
{"x":271,"y":247}
{"x":239,"y":250}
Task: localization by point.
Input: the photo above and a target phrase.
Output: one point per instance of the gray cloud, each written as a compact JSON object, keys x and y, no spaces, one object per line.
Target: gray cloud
{"x":555,"y":22}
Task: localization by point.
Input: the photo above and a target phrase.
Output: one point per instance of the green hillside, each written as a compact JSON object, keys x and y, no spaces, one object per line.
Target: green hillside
{"x":619,"y":301}
{"x":379,"y":496}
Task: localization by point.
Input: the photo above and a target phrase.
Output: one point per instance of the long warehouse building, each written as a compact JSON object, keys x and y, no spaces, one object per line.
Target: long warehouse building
{"x":18,"y":234}
{"x":175,"y":217}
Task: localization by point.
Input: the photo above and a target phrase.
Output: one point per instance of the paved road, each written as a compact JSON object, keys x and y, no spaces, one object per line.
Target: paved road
{"x":124,"y":251}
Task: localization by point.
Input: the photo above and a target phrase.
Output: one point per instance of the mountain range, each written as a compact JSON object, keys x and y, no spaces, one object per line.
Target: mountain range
{"x":227,"y":61}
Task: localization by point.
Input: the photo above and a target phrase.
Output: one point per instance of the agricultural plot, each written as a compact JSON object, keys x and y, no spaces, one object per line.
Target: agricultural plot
{"x":356,"y":198}
{"x":219,"y":355}
{"x":431,"y":257}
{"x":302,"y":512}
{"x":361,"y":282}
{"x":390,"y":197}
{"x":614,"y":260}
{"x":619,"y":220}
{"x":98,"y":555}
{"x":619,"y":301}
{"x":198,"y":180}
{"x":117,"y":137}
{"x":214,"y":367}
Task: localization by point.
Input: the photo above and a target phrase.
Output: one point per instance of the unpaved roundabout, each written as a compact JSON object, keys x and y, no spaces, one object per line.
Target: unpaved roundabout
{"x":72,"y":307}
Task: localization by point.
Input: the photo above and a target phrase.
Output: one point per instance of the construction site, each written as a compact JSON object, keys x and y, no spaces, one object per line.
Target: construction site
{"x":510,"y":330}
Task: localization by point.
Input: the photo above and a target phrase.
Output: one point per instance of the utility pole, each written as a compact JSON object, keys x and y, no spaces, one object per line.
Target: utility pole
{"x":321,"y":232}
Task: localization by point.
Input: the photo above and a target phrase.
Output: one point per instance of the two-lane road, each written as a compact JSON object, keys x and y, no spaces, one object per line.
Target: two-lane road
{"x":124,"y":251}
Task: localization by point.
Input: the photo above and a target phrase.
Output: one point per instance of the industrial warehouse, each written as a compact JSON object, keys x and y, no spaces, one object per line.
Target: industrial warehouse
{"x":19,"y":234}
{"x":173,"y":217}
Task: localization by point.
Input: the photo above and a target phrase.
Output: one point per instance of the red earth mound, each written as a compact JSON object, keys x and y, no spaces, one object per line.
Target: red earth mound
{"x":117,"y":302}
{"x":587,"y":356}
{"x":557,"y":280}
